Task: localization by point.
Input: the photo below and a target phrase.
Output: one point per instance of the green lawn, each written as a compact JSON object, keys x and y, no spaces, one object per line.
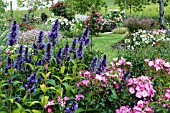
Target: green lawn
{"x":105,"y":42}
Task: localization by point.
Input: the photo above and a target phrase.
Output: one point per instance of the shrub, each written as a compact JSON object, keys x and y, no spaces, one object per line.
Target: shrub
{"x":94,"y":22}
{"x":60,"y":9}
{"x":133,"y":24}
{"x":143,"y":38}
{"x":147,"y":24}
{"x":120,"y":30}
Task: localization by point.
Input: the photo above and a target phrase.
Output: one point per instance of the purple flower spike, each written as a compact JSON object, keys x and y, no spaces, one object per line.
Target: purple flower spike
{"x":53,"y":35}
{"x":48,"y":52}
{"x":13,"y":34}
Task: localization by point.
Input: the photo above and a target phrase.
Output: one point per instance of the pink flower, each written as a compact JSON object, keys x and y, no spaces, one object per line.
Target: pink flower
{"x":130,"y":81}
{"x":140,"y":103}
{"x":139,"y":94}
{"x":98,"y":77}
{"x":49,"y":110}
{"x":85,"y":82}
{"x":78,"y":96}
{"x":66,"y":98}
{"x":131,"y":90}
{"x":144,"y":93}
{"x":150,"y":63}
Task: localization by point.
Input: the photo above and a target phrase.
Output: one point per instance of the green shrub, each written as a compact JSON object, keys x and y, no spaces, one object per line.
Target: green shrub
{"x":137,"y":57}
{"x":120,"y":30}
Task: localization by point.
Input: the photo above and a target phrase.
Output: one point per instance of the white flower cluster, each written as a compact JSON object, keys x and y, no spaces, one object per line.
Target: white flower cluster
{"x":79,"y":17}
{"x":144,"y":38}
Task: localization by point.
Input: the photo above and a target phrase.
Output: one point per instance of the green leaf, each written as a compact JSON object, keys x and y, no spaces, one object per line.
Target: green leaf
{"x":58,"y":78}
{"x":79,"y":110}
{"x":62,"y":69}
{"x":11,"y":71}
{"x":114,"y":95}
{"x":17,"y":110}
{"x":45,"y":75}
{"x":2,"y":95}
{"x":74,"y":68}
{"x":4,"y":84}
{"x":53,"y":88}
{"x":13,"y":56}
{"x":43,"y":88}
{"x":19,"y":106}
{"x":44,"y":100}
{"x":52,"y":82}
{"x":36,"y":111}
{"x":3,"y":112}
{"x":35,"y":58}
{"x":16,"y":82}
{"x":31,"y":66}
{"x":67,"y":78}
{"x":24,"y":98}
{"x":11,"y":100}
{"x":34,"y":102}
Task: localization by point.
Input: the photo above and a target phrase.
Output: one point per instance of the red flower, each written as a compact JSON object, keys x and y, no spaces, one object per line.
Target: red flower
{"x":157,"y":43}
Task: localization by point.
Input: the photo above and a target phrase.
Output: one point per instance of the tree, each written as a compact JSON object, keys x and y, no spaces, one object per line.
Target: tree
{"x":2,"y":7}
{"x":136,"y":5}
{"x":161,"y":6}
{"x":32,"y":5}
{"x":82,"y":6}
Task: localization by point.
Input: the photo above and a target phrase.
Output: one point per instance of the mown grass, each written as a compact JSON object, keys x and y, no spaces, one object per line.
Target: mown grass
{"x":105,"y":42}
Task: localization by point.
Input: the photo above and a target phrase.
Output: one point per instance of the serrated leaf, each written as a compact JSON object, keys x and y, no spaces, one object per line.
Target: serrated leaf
{"x":79,"y":110}
{"x":43,"y":88}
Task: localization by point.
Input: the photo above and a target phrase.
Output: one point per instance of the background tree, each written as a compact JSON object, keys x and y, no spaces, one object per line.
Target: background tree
{"x":32,"y":5}
{"x":2,"y":8}
{"x":83,"y":6}
{"x":135,"y":5}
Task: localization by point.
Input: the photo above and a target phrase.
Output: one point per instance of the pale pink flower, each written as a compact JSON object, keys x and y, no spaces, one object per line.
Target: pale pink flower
{"x":144,"y":93}
{"x":78,"y":96}
{"x":131,"y":90}
{"x":139,"y":94}
{"x":66,"y":98}
{"x":85,"y":82}
{"x":98,"y":77}
{"x":151,"y":63}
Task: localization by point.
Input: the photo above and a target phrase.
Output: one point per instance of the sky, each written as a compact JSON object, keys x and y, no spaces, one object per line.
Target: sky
{"x":14,"y":5}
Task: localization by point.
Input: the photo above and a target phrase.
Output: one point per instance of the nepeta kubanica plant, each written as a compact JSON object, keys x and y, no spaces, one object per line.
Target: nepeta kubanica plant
{"x":30,"y":73}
